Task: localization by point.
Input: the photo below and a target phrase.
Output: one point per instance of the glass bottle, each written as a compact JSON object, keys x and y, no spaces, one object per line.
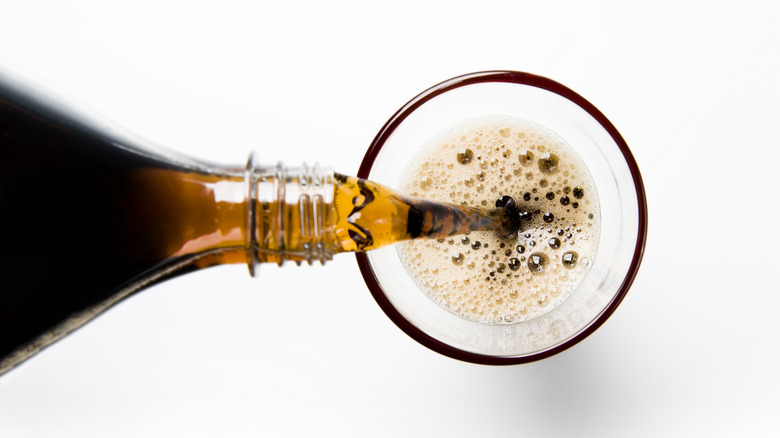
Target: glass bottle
{"x":90,"y":214}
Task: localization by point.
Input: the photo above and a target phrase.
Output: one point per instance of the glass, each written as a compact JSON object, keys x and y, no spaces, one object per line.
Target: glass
{"x":622,"y":202}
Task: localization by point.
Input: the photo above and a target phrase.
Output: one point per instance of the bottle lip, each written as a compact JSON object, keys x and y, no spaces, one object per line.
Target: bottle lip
{"x":250,"y":177}
{"x":521,"y":78}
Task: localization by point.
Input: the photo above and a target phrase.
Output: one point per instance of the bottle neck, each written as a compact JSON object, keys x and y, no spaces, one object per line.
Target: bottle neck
{"x":289,"y":214}
{"x":273,"y":214}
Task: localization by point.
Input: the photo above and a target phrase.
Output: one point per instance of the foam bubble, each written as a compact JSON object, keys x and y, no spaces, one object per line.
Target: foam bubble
{"x":475,"y":163}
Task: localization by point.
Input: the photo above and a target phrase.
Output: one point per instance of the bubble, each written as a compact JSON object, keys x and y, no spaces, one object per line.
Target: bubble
{"x":548,"y":217}
{"x":526,"y":157}
{"x":548,"y":163}
{"x":575,"y":205}
{"x":526,"y":196}
{"x":425,"y":183}
{"x":465,"y":240}
{"x":504,"y":132}
{"x":476,"y":244}
{"x":465,"y":156}
{"x":457,"y":259}
{"x":564,"y":200}
{"x":569,"y":259}
{"x":554,"y":243}
{"x":505,"y":201}
{"x":514,"y":264}
{"x":508,"y":252}
{"x":543,"y":183}
{"x":520,"y":249}
{"x":550,"y":196}
{"x":578,"y":192}
{"x":537,"y":262}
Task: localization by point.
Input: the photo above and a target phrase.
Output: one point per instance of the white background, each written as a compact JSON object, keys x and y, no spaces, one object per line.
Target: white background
{"x":693,"y":349}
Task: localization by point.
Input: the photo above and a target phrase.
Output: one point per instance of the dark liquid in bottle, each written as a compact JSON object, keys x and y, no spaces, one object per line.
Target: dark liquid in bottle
{"x":84,"y":218}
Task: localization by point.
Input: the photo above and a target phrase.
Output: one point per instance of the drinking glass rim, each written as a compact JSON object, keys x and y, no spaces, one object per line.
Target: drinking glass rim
{"x":520,"y":78}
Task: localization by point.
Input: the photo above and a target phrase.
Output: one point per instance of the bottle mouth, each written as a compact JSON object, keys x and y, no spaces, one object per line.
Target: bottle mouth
{"x":621,"y":197}
{"x":250,"y":176}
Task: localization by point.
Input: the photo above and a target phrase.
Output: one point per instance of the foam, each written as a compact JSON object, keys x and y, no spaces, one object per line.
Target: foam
{"x":495,"y":283}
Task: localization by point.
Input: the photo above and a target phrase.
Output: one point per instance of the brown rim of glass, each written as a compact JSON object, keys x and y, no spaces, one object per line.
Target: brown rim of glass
{"x":522,"y":79}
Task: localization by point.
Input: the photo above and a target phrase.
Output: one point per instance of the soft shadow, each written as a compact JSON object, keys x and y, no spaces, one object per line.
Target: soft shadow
{"x":579,"y":392}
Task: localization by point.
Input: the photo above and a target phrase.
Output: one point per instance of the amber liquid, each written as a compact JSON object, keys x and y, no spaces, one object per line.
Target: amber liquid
{"x":371,"y":216}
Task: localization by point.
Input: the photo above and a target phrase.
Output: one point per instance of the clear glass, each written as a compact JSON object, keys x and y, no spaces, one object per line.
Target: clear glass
{"x":620,"y":191}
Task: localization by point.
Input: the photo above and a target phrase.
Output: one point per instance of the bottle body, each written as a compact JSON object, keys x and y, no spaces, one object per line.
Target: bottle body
{"x":90,"y":215}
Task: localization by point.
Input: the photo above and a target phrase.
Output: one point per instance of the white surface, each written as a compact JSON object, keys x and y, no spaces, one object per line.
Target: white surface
{"x":693,"y":349}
